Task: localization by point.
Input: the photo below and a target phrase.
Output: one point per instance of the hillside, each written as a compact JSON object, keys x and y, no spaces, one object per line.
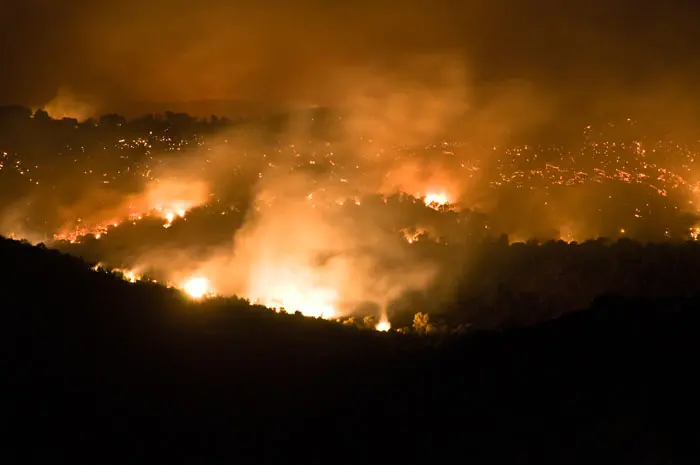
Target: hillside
{"x":103,"y":371}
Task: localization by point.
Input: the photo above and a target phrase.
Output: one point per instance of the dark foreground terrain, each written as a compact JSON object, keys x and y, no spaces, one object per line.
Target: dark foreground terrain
{"x":100,"y":371}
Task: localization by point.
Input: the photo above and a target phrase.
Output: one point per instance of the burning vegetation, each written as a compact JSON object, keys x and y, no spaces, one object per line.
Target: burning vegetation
{"x":345,"y":211}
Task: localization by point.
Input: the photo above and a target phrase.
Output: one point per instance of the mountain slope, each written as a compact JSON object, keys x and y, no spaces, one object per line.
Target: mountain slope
{"x":100,"y":370}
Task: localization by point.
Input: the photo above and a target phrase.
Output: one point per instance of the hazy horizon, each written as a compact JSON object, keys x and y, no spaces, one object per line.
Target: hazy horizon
{"x":120,"y":56}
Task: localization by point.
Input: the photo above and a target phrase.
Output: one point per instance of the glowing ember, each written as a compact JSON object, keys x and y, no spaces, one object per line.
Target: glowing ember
{"x":73,"y":233}
{"x":196,"y":287}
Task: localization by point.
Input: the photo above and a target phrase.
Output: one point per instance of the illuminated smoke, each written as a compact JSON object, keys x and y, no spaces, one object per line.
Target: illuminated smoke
{"x":67,"y":105}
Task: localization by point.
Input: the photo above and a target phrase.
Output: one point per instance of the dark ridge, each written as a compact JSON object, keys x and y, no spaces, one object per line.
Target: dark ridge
{"x":102,"y":371}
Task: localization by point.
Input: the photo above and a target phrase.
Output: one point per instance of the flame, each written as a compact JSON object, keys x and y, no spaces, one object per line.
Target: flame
{"x":73,"y":234}
{"x":695,"y":233}
{"x":172,"y":211}
{"x":197,"y":287}
{"x":130,"y":276}
{"x":412,"y":235}
{"x":384,"y":325}
{"x":317,"y":303}
{"x":437,"y":198}
{"x":167,"y":199}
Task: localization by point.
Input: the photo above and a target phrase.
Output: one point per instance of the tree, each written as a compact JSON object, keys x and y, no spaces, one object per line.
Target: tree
{"x":42,"y":115}
{"x":421,"y":321}
{"x":112,"y":121}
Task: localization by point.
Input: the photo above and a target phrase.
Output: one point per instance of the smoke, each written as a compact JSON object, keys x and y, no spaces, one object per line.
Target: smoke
{"x":390,"y":129}
{"x":124,"y":52}
{"x":417,"y":101}
{"x":73,"y":208}
{"x":297,"y":248}
{"x":67,"y":105}
{"x":13,"y":223}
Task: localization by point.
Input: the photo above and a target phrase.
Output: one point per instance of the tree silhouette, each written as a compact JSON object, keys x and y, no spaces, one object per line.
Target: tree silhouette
{"x":41,"y":115}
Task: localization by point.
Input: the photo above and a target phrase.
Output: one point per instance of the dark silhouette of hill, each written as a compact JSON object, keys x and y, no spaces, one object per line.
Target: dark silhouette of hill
{"x":102,"y":371}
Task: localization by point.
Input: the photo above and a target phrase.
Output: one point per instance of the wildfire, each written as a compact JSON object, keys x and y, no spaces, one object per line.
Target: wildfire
{"x":436,"y":198}
{"x":292,"y":287}
{"x":384,"y":325}
{"x":695,"y":233}
{"x":316,"y":303}
{"x":128,"y":275}
{"x":197,"y":287}
{"x":170,"y":213}
{"x":76,"y":233}
{"x":168,"y":200}
{"x":412,"y":235}
{"x":566,"y":234}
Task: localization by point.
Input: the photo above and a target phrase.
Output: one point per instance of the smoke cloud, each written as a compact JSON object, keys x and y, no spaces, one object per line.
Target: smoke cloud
{"x":122,"y":54}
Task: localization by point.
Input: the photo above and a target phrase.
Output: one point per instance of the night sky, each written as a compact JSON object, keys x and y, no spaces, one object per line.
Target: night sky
{"x":115,"y":52}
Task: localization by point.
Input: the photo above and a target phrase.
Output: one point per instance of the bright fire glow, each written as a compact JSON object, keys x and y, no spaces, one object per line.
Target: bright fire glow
{"x":168,"y":200}
{"x":315,"y":303}
{"x":130,"y":276}
{"x":695,"y":233}
{"x":383,"y":326}
{"x":566,"y":234}
{"x":412,"y":235}
{"x":197,"y":287}
{"x":292,"y":287}
{"x":170,"y":213}
{"x":436,"y":198}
